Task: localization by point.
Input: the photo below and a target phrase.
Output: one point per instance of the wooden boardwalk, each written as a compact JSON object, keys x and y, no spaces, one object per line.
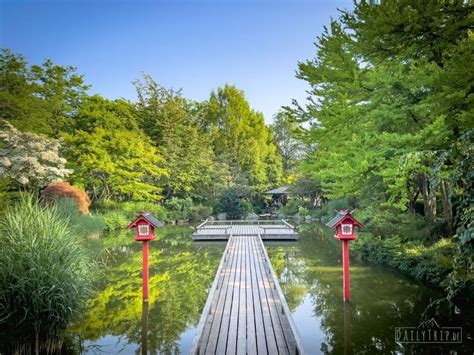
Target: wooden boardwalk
{"x":268,"y":230}
{"x":246,"y":312}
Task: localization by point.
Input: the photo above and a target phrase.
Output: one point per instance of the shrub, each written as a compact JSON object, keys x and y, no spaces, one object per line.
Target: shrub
{"x":83,"y":225}
{"x":59,"y":190}
{"x":118,"y":215}
{"x":200,"y":212}
{"x":430,"y":264}
{"x":292,"y":207}
{"x":45,"y":275}
{"x":230,"y":203}
{"x":114,"y":220}
{"x":179,"y":208}
{"x":328,"y":211}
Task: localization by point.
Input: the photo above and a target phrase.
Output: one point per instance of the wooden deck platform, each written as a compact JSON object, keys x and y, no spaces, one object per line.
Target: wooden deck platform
{"x":246,"y":312}
{"x":268,"y":230}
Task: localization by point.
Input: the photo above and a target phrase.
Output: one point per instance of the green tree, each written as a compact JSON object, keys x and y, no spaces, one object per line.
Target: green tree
{"x":39,"y":98}
{"x":241,"y":139}
{"x":110,"y":156}
{"x":379,"y":83}
{"x":287,"y":132}
{"x":172,"y":124}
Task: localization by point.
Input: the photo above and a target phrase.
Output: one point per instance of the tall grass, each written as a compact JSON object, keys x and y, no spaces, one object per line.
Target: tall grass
{"x":45,"y":276}
{"x":82,"y":225}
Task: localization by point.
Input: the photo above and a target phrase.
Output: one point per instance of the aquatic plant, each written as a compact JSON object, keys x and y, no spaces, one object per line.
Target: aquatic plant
{"x":45,"y":277}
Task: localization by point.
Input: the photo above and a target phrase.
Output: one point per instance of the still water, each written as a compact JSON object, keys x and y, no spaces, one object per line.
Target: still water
{"x":310,"y":274}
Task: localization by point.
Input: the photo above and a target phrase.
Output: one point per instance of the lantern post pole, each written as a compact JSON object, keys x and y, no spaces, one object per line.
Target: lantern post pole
{"x":145,"y":270}
{"x":345,"y":270}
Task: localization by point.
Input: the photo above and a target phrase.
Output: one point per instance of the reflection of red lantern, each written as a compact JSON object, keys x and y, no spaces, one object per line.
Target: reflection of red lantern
{"x":144,"y":226}
{"x":345,"y":225}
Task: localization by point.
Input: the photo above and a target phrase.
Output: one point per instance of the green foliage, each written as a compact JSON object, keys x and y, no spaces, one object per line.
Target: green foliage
{"x":243,"y":145}
{"x":291,"y":208}
{"x":186,"y":210}
{"x":171,"y":122}
{"x":432,"y":264}
{"x":82,"y":225}
{"x":286,"y":131}
{"x":45,"y":275}
{"x":118,"y":215}
{"x":114,"y":220}
{"x":39,"y":98}
{"x":390,"y":117}
{"x":231,"y":203}
{"x":109,"y":158}
{"x":328,"y":210}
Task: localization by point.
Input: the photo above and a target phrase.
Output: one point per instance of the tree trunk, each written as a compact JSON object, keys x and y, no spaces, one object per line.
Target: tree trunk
{"x":429,"y":198}
{"x":447,"y":207}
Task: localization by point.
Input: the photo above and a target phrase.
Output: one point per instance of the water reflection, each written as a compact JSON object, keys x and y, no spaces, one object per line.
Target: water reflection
{"x":310,"y":274}
{"x":347,"y":329}
{"x":145,"y":328}
{"x":180,"y":274}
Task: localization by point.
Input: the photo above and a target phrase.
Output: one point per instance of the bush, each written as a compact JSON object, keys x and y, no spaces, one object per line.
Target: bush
{"x":179,"y":208}
{"x":83,"y":225}
{"x":328,"y":211}
{"x":117,"y":215}
{"x":231,"y":203}
{"x":429,"y":264}
{"x":45,"y":275}
{"x":59,"y":190}
{"x":293,"y":207}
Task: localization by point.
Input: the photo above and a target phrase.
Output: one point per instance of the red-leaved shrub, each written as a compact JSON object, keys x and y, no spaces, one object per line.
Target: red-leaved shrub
{"x":57,"y":190}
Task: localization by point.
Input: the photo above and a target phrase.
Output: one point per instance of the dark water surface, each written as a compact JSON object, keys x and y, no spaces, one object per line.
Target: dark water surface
{"x":310,"y":274}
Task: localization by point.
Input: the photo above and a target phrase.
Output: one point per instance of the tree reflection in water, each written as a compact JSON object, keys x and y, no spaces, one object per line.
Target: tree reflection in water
{"x":180,"y":274}
{"x":310,"y":274}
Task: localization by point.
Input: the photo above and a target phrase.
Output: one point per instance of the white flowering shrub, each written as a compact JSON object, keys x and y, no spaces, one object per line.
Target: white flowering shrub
{"x":30,"y":159}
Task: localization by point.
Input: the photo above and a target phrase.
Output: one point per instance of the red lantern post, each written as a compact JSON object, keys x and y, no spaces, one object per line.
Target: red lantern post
{"x":144,"y":227}
{"x":345,"y":225}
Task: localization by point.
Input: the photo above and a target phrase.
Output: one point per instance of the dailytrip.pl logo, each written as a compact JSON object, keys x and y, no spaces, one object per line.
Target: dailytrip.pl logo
{"x":428,"y":332}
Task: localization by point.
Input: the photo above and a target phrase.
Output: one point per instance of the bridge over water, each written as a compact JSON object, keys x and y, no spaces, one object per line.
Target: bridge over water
{"x":246,"y":312}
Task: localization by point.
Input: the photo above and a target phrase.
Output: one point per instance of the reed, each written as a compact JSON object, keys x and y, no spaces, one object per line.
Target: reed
{"x":45,"y":276}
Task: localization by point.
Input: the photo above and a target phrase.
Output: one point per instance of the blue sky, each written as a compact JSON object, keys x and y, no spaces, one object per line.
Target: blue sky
{"x":193,"y":45}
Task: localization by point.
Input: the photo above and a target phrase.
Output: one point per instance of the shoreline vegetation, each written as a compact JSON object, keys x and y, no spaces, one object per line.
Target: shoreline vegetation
{"x":387,"y":131}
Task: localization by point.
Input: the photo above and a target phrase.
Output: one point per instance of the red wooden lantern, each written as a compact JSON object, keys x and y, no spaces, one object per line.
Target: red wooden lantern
{"x":144,"y":227}
{"x":345,"y":225}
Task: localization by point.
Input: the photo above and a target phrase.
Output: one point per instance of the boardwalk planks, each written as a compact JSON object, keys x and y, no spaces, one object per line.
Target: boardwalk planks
{"x":246,"y":312}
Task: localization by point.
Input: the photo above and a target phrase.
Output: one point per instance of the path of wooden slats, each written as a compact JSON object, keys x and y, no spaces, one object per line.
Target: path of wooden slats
{"x":246,"y":312}
{"x":266,"y":231}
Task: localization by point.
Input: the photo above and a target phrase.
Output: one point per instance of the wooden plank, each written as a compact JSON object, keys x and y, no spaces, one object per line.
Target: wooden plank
{"x":295,"y":344}
{"x":257,"y":304}
{"x":241,"y":346}
{"x":235,"y":312}
{"x":201,"y":328}
{"x":273,"y":304}
{"x":210,"y":339}
{"x":224,"y":331}
{"x":250,"y":346}
{"x":246,"y":313}
{"x":267,"y":321}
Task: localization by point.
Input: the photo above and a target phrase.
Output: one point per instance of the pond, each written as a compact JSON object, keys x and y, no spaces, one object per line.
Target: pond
{"x":310,"y":274}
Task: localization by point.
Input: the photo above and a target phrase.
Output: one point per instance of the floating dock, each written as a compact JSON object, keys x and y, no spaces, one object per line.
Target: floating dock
{"x":246,"y":311}
{"x":222,"y":230}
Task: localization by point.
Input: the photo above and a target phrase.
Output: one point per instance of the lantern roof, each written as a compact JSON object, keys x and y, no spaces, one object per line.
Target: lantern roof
{"x":341,"y":217}
{"x":147,"y":216}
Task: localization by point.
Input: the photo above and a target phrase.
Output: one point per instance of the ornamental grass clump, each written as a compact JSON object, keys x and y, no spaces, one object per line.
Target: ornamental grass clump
{"x":45,"y":277}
